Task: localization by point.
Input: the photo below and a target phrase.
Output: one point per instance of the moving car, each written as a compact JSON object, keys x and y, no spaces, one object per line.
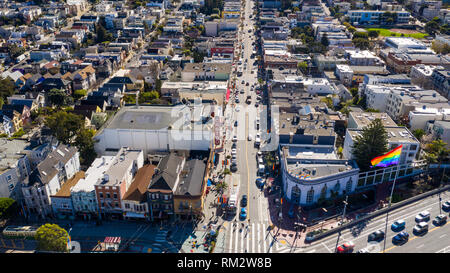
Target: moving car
{"x":401,"y":238}
{"x":236,"y":123}
{"x":446,"y":206}
{"x":363,"y":250}
{"x":424,"y":216}
{"x":234,"y":138}
{"x":247,"y":84}
{"x":376,"y":236}
{"x":243,"y":214}
{"x":398,"y":225}
{"x":421,"y":228}
{"x":244,"y":201}
{"x":346,"y":247}
{"x":237,"y":100}
{"x":440,"y":220}
{"x":243,"y":82}
{"x":250,"y":137}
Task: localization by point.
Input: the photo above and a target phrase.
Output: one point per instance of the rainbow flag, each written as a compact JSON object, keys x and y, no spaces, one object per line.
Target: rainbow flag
{"x":391,"y":158}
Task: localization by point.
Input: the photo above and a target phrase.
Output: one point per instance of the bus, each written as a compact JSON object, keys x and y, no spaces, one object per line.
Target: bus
{"x":233,"y":200}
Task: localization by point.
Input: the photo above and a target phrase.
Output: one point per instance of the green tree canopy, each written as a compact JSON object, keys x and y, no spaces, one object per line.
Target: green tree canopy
{"x":419,"y":133}
{"x":64,"y":125}
{"x":51,"y":237}
{"x":361,"y":43}
{"x":437,"y":151}
{"x":8,"y":207}
{"x":58,"y":97}
{"x":371,"y":143}
{"x":78,"y":94}
{"x":373,"y":33}
{"x":85,"y":144}
{"x":6,"y":88}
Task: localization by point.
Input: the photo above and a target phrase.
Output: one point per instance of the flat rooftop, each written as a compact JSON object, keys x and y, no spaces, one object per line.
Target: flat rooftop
{"x":309,"y":162}
{"x":11,"y":151}
{"x":362,"y":119}
{"x":395,"y":134}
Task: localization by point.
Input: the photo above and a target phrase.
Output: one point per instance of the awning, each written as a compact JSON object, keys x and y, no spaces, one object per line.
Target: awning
{"x":228,"y":94}
{"x":134,"y":214}
{"x":209,"y":183}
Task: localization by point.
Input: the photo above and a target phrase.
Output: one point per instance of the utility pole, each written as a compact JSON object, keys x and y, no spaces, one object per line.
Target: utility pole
{"x":389,"y":206}
{"x":342,"y":222}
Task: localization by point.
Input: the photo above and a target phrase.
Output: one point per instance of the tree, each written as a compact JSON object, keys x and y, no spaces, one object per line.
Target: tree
{"x":85,"y":144}
{"x":78,"y":94}
{"x":370,"y":144}
{"x":361,"y":43}
{"x":8,"y":207}
{"x":373,"y":34}
{"x":437,"y":151}
{"x":433,"y":26}
{"x":303,"y":67}
{"x":6,"y":88}
{"x":15,"y":51}
{"x":58,"y":97}
{"x":64,"y":126}
{"x":419,"y":133}
{"x":51,"y":237}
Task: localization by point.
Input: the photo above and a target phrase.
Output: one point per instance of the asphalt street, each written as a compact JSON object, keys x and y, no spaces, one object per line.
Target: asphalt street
{"x":437,"y":238}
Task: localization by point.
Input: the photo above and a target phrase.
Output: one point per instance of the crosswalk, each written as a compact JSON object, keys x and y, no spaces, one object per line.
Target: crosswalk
{"x":254,"y":239}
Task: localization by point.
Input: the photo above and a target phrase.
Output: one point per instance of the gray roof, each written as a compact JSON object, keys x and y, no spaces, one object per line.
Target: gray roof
{"x":191,"y":183}
{"x":167,"y":173}
{"x":55,"y":161}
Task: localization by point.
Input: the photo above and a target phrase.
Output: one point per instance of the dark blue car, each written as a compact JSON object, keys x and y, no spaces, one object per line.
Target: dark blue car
{"x":401,"y":238}
{"x":260,"y":182}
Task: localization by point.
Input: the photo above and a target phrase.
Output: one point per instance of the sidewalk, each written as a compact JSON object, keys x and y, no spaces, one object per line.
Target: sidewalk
{"x":284,"y":231}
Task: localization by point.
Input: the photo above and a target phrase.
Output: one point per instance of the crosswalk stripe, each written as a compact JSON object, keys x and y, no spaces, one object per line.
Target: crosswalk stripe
{"x":253,"y":237}
{"x":242,"y":241}
{"x":264,"y":241}
{"x":237,"y":240}
{"x":258,"y":243}
{"x":231,"y":239}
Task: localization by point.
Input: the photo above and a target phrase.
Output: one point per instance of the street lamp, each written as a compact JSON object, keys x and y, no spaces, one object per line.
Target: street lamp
{"x":342,"y":222}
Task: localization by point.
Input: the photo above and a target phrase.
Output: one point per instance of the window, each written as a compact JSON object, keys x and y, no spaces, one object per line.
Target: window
{"x":108,"y":195}
{"x":127,"y":206}
{"x":349,"y":185}
{"x":116,"y":204}
{"x":115,"y":195}
{"x":413,"y":147}
{"x":310,"y":196}
{"x":103,"y":205}
{"x":100,"y":194}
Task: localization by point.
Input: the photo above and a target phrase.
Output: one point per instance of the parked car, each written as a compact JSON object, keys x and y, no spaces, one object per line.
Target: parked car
{"x":398,"y":225}
{"x":401,"y":238}
{"x":243,"y":214}
{"x":440,"y":220}
{"x":233,"y":151}
{"x":346,"y":247}
{"x":233,"y":146}
{"x":234,"y":138}
{"x":260,"y":182}
{"x":236,"y":123}
{"x":250,"y":137}
{"x":244,"y":201}
{"x":237,"y":100}
{"x":233,"y":167}
{"x":376,"y":236}
{"x":424,"y":216}
{"x":421,"y":228}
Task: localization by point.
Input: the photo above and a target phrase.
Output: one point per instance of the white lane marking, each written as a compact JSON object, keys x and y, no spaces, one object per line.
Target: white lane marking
{"x":311,"y":251}
{"x":242,"y":241}
{"x":253,"y":237}
{"x":231,"y":239}
{"x":263,"y":240}
{"x":443,"y":235}
{"x":248,"y":239}
{"x":329,"y":250}
{"x":258,"y":242}
{"x":237,"y":240}
{"x":420,"y":246}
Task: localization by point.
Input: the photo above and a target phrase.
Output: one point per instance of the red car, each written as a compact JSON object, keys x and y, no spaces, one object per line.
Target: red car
{"x":346,"y":247}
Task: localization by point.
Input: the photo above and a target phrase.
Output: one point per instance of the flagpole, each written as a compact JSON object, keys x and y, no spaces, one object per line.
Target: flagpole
{"x":389,"y":206}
